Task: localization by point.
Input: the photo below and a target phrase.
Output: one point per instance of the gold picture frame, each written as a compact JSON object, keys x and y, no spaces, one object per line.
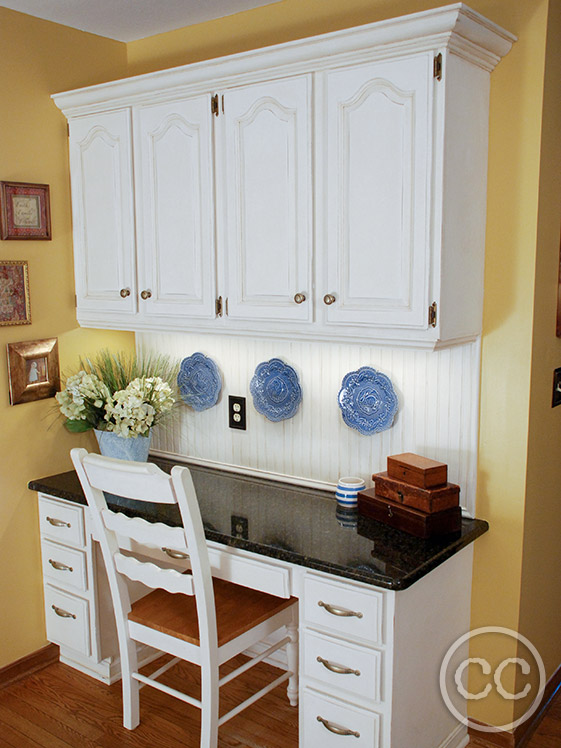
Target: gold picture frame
{"x":33,"y":370}
{"x":15,"y":308}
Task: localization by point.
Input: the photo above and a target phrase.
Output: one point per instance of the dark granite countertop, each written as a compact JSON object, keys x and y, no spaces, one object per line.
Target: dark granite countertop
{"x":300,"y":525}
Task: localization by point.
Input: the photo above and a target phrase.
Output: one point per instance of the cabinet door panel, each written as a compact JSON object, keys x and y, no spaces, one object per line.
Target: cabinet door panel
{"x":102,"y":201}
{"x":266,"y":132}
{"x":378,"y":175}
{"x":176,"y":258}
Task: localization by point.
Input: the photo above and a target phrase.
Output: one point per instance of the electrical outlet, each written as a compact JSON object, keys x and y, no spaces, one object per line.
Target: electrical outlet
{"x":236,"y":412}
{"x":240,"y":527}
{"x":556,"y":400}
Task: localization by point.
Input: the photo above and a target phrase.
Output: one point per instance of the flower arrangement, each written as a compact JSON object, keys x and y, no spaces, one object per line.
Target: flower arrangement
{"x":127,"y":395}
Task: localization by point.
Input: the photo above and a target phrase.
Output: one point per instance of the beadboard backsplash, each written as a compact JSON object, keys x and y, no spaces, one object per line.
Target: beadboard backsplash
{"x":438,"y":394}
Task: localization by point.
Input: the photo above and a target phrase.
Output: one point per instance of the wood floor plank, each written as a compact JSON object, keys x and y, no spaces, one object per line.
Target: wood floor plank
{"x":29,"y":728}
{"x":12,"y":738}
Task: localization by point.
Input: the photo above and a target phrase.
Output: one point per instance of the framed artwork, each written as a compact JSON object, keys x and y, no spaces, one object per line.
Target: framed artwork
{"x":25,"y":211}
{"x":14,"y":293}
{"x":33,"y":370}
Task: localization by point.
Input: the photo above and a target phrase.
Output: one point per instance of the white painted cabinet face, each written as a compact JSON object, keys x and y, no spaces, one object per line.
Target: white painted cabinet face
{"x":265,"y":175}
{"x":377,"y":155}
{"x":174,"y":178}
{"x":102,"y":199}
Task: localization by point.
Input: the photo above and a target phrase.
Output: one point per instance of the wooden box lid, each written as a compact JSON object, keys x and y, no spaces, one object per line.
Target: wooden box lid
{"x":416,"y":470}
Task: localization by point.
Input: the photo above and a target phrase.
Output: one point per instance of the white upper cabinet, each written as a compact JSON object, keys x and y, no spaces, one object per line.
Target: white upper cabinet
{"x":331,"y":188}
{"x":377,"y":136}
{"x":174,"y":193}
{"x":103,"y":213}
{"x":265,"y":134}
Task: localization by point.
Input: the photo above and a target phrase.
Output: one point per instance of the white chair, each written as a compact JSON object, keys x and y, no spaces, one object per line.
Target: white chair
{"x":188,"y":615}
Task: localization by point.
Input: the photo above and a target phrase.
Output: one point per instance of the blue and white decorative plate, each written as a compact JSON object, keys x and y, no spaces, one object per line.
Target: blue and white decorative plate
{"x":367,"y":400}
{"x":199,"y":381}
{"x":275,"y":390}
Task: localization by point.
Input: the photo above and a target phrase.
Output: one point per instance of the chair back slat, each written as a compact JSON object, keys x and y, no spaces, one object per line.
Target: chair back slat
{"x":151,"y":534}
{"x":142,"y":481}
{"x":100,"y":475}
{"x":153,"y":576}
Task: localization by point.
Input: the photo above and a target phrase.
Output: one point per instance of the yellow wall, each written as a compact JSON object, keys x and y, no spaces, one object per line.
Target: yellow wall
{"x":518,"y":476}
{"x":39,"y":58}
{"x":540,"y":609}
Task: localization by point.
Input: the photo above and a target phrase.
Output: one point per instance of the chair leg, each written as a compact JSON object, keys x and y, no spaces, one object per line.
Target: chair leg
{"x":209,"y":709}
{"x":292,"y":657}
{"x":131,"y":687}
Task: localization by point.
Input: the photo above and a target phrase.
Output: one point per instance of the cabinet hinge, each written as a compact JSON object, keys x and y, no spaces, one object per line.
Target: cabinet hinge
{"x":432,"y":314}
{"x":76,"y":301}
{"x":68,"y":129}
{"x":226,"y":306}
{"x":218,"y":306}
{"x":437,"y":67}
{"x":214,"y":105}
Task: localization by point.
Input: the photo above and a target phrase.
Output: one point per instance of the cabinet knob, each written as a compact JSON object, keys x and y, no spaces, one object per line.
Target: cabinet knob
{"x":299,"y":298}
{"x":124,"y":292}
{"x":329,"y":299}
{"x":146,"y":294}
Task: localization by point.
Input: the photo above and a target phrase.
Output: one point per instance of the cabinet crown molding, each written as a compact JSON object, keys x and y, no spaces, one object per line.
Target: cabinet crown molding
{"x":457,"y":27}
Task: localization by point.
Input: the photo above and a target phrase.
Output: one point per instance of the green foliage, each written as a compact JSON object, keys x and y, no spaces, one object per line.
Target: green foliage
{"x":117,"y":370}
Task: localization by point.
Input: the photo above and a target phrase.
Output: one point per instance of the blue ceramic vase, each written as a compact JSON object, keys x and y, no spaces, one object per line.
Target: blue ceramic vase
{"x":113,"y":445}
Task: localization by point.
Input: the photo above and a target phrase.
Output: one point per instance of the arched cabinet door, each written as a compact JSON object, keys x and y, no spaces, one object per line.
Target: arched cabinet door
{"x":377,"y":155}
{"x":103,"y":213}
{"x":265,"y":142}
{"x":175,"y":210}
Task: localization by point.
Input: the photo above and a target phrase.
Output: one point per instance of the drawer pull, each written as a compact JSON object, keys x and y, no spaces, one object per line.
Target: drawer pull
{"x":337,"y":729}
{"x":175,"y":554}
{"x":58,"y":522}
{"x":62,"y":613}
{"x":339,"y":669}
{"x":335,"y":611}
{"x":59,"y":566}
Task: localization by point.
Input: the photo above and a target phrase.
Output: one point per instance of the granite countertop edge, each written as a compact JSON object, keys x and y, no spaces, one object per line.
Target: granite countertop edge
{"x":60,"y":486}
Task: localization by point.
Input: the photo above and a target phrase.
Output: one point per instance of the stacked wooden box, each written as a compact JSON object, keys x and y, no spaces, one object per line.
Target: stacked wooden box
{"x":414,"y":496}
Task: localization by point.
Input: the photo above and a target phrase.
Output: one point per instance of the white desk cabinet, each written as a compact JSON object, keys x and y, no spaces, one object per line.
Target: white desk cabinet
{"x":369,"y":657}
{"x":328,"y":188}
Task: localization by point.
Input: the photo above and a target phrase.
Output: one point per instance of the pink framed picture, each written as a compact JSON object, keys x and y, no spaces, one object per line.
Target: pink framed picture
{"x":26,"y":211}
{"x":14,"y":293}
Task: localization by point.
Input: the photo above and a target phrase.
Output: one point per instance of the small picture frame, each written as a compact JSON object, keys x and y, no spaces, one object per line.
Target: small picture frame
{"x":25,"y":211}
{"x":33,"y":370}
{"x":14,"y":293}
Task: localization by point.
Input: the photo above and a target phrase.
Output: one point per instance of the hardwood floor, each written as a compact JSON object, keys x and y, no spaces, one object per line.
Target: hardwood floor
{"x":59,"y":707}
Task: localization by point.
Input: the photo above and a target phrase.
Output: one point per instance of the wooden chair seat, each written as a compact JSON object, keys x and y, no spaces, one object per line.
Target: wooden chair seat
{"x":238,"y":609}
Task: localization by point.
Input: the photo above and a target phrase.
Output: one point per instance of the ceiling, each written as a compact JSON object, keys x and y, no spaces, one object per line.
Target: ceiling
{"x":128,"y":20}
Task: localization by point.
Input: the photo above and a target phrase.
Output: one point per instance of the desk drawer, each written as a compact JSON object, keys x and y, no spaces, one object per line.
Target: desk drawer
{"x":64,"y":566}
{"x":328,"y":723}
{"x":342,"y":666}
{"x":61,"y":521}
{"x":344,"y":608}
{"x":257,"y":574}
{"x":67,"y":619}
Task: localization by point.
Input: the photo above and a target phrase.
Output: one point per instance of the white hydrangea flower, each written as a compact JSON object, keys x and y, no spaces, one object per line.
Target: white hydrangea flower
{"x":82,"y":393}
{"x":133,"y":411}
